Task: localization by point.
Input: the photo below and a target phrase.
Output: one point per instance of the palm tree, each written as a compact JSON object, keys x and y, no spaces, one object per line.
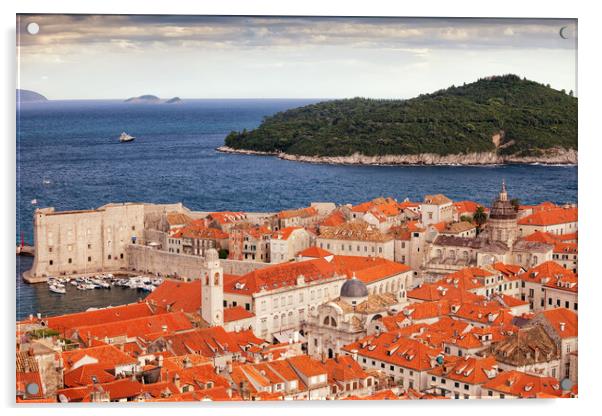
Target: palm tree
{"x":480,"y":216}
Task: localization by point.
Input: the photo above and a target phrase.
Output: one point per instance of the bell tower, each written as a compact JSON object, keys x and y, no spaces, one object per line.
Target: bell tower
{"x":212,"y":289}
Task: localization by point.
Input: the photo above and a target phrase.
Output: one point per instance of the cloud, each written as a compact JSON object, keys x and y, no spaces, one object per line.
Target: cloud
{"x":69,"y":32}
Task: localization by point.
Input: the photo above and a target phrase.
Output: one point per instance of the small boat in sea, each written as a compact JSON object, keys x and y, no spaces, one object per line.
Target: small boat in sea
{"x":34,"y":202}
{"x":124,"y":138}
{"x":57,"y":289}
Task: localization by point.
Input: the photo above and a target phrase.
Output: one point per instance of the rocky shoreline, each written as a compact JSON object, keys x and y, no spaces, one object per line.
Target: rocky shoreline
{"x":554,"y":156}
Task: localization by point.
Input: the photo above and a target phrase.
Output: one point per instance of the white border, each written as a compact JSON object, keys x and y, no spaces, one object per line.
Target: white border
{"x":589,"y":185}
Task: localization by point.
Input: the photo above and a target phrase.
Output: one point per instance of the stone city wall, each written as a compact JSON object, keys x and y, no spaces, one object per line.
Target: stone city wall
{"x":149,"y":260}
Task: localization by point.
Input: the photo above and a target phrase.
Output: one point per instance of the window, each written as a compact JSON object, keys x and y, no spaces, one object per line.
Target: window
{"x":69,"y":261}
{"x":51,"y":262}
{"x":109,"y":257}
{"x":50,"y":249}
{"x":121,"y":256}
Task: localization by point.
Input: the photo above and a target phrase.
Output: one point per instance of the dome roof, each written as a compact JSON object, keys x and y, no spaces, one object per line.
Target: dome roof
{"x":354,"y":288}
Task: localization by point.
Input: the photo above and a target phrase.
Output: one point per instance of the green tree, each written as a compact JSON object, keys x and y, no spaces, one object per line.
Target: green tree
{"x":466,"y":218}
{"x":480,"y":217}
{"x":515,"y":203}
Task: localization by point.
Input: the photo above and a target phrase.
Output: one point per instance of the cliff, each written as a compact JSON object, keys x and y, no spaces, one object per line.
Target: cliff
{"x":556,"y":156}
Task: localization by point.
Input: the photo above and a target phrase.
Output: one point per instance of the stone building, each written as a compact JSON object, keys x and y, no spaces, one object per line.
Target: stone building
{"x":86,"y":241}
{"x":357,"y":238}
{"x":346,"y":319}
{"x":435,"y":209}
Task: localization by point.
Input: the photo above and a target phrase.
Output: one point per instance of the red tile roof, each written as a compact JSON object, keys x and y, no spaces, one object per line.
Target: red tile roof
{"x":285,"y":233}
{"x":237,"y":313}
{"x":564,"y":321}
{"x":546,"y":271}
{"x":87,"y":374}
{"x":315,"y":252}
{"x":138,"y":327}
{"x":344,"y":368}
{"x":334,"y":219}
{"x":177,"y":296}
{"x":550,"y":217}
{"x":523,"y":385}
{"x":65,"y":323}
{"x":390,"y":347}
{"x":107,"y":356}
{"x":469,"y":370}
{"x":211,"y":342}
{"x":302,"y":212}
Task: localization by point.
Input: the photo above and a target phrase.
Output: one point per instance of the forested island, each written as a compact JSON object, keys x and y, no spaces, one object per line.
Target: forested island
{"x":499,"y":119}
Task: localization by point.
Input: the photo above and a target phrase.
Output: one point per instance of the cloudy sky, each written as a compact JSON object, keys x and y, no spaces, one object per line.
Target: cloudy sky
{"x":88,"y":57}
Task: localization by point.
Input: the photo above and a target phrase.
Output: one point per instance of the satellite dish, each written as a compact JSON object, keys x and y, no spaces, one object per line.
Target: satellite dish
{"x":32,"y":389}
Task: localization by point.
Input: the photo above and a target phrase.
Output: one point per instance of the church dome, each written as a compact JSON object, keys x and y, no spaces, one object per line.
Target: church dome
{"x":354,"y":288}
{"x":502,"y":208}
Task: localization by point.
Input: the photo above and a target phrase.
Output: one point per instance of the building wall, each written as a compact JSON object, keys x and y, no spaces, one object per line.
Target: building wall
{"x":384,"y":249}
{"x":287,"y":308}
{"x":558,"y":229}
{"x":148,"y":260}
{"x":85,"y":241}
{"x":284,"y":250}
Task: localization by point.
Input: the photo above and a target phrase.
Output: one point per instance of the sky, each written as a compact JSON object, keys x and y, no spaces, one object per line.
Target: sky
{"x":119,"y":56}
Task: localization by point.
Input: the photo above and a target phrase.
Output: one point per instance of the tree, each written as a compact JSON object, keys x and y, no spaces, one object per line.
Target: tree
{"x":571,"y":93}
{"x":480,"y":216}
{"x":223,"y":253}
{"x":466,"y":218}
{"x":515,"y":203}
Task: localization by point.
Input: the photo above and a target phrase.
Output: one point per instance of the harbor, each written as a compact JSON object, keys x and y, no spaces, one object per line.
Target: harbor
{"x":37,"y":298}
{"x":103,"y":281}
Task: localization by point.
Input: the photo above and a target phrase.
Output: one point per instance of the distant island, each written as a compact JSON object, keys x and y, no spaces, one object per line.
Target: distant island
{"x":152,"y":99}
{"x":28,"y":96}
{"x":498,"y":119}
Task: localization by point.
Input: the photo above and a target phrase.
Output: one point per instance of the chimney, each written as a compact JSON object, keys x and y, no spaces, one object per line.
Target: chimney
{"x":562,"y":326}
{"x":354,"y":354}
{"x":164,"y":328}
{"x":160,"y":361}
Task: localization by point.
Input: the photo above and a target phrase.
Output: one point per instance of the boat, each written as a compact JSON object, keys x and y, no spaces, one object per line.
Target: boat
{"x":34,"y":201}
{"x":124,"y":138}
{"x":57,"y":289}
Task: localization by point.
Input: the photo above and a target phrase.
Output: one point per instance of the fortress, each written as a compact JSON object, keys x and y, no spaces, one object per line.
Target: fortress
{"x":112,"y":238}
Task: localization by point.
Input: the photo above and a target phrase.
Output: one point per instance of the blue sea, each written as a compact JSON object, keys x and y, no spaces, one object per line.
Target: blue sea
{"x":69,"y":157}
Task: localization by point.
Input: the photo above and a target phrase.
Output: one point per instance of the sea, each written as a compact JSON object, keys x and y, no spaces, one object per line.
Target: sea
{"x":69,"y":157}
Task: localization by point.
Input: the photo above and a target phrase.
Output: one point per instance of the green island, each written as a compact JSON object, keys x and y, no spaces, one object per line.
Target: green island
{"x":506,"y":116}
